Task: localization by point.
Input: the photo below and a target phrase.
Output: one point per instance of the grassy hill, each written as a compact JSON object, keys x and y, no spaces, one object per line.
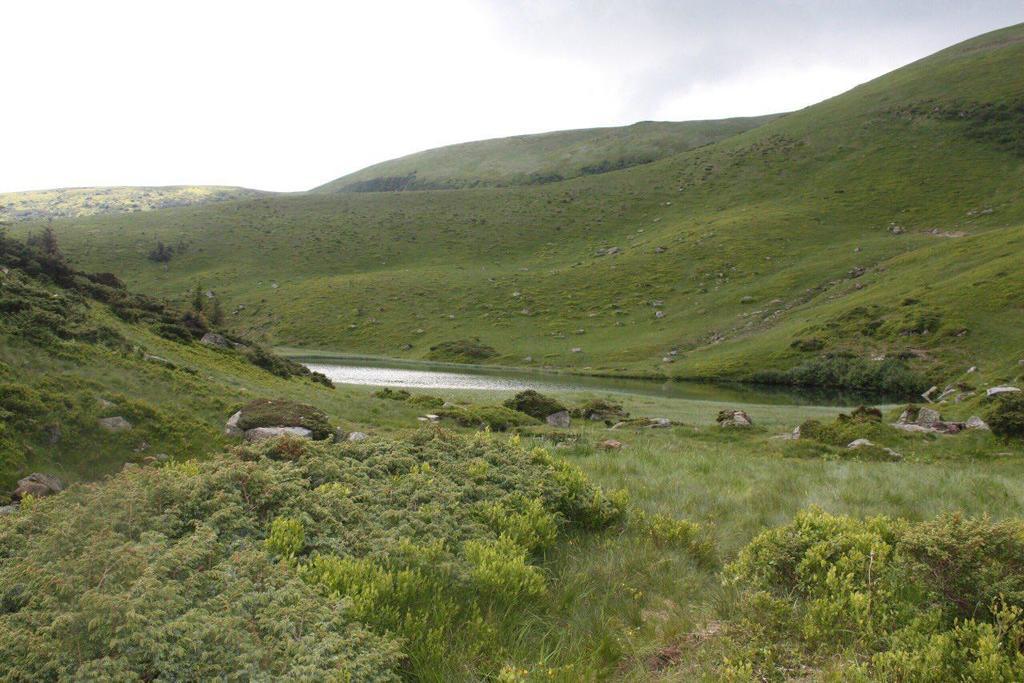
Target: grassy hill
{"x":543,"y":158}
{"x":887,"y":222}
{"x":72,"y":202}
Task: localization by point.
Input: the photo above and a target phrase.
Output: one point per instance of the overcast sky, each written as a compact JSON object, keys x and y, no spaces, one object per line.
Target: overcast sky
{"x":288,"y":95}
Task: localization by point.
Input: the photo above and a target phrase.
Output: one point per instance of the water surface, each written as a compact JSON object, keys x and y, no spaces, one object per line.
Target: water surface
{"x":447,"y":376}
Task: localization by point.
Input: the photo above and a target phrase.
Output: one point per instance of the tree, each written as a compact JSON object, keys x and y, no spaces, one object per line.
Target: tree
{"x":197,"y":299}
{"x":49,"y":243}
{"x":217,"y":314}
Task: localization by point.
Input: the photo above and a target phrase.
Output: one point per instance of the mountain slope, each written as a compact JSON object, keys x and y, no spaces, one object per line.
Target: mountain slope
{"x":543,"y":158}
{"x":885,"y":222}
{"x":72,"y":202}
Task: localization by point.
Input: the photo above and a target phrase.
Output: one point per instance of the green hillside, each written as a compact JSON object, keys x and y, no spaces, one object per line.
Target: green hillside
{"x":543,"y":158}
{"x":887,"y":222}
{"x":72,"y":202}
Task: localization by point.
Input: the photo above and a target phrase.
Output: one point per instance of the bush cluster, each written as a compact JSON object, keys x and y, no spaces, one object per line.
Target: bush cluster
{"x":534,"y":404}
{"x":371,"y":561}
{"x":1005,"y":415}
{"x":888,"y":599}
{"x":891,"y":377}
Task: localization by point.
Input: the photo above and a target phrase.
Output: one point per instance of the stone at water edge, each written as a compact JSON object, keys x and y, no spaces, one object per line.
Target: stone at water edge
{"x":231,"y":427}
{"x":114,"y":424}
{"x":560,"y":419}
{"x":261,"y":433}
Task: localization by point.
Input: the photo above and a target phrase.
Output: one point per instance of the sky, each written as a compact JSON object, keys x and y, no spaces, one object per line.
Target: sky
{"x":289,"y":95}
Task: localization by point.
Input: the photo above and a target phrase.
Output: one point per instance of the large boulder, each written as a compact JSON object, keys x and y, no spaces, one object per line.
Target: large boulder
{"x":115,"y":424}
{"x":995,"y":391}
{"x":733,"y":418}
{"x":559,"y":419}
{"x":231,"y":427}
{"x":262,"y":433}
{"x":38,"y":485}
{"x":282,"y":413}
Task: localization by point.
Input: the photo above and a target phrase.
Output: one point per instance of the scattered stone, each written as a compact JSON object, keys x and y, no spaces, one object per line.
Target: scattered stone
{"x":747,"y":300}
{"x":733,"y":418}
{"x":659,"y":314}
{"x":215,"y":340}
{"x":129,"y":466}
{"x":926,"y":417}
{"x":610,"y":445}
{"x":261,"y":433}
{"x":975,"y":422}
{"x":560,"y":419}
{"x":995,"y":391}
{"x":896,"y":229}
{"x":927,"y":395}
{"x":38,"y":485}
{"x":577,"y":349}
{"x":231,"y":427}
{"x":860,"y":443}
{"x":358,"y":436}
{"x":104,"y":403}
{"x":8,"y":509}
{"x":608,"y":251}
{"x":114,"y":424}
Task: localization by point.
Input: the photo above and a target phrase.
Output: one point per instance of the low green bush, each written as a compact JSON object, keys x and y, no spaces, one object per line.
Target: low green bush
{"x":891,"y":377}
{"x":495,"y":418}
{"x":886,"y":599}
{"x":392,"y":394}
{"x":376,"y":561}
{"x":426,"y":401}
{"x":1005,"y":415}
{"x":462,"y":351}
{"x":534,"y":404}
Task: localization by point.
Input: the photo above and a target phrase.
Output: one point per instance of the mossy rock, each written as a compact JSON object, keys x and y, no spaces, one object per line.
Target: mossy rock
{"x":534,"y":404}
{"x":600,"y":410}
{"x":496,"y":418}
{"x":861,"y":414}
{"x":281,"y":413}
{"x":842,"y":432}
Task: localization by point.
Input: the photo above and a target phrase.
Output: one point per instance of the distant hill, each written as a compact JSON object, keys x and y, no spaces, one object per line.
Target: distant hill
{"x":72,"y":202}
{"x":884,"y":223}
{"x":543,"y":158}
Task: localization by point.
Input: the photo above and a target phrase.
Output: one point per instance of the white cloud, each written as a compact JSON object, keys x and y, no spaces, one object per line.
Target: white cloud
{"x":287,"y":95}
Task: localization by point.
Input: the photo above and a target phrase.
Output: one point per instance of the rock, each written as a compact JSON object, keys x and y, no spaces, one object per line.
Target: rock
{"x":38,"y":485}
{"x":608,"y":251}
{"x":975,"y":422}
{"x":104,"y":403}
{"x":856,"y":272}
{"x":660,"y":423}
{"x":158,"y":359}
{"x":8,"y":509}
{"x":926,"y":395}
{"x":231,"y":427}
{"x":115,"y":424}
{"x":896,"y":229}
{"x":659,"y":314}
{"x":216,"y":340}
{"x":261,"y":433}
{"x":747,"y":300}
{"x":577,"y":349}
{"x":733,"y":418}
{"x":610,"y":445}
{"x":995,"y":391}
{"x":129,"y":466}
{"x":927,"y":417}
{"x":559,"y":419}
{"x":859,"y":443}
{"x":357,"y":436}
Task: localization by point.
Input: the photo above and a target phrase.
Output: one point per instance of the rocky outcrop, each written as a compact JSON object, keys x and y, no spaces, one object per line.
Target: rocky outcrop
{"x":114,"y":424}
{"x":231,"y":427}
{"x":926,"y":420}
{"x":38,"y":485}
{"x":215,"y":340}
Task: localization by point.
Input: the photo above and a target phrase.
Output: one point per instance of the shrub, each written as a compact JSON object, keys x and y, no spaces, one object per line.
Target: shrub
{"x":890,"y":377}
{"x":1005,"y":415}
{"x":392,"y":394}
{"x":525,"y":521}
{"x":600,"y":410}
{"x":938,"y":600}
{"x":500,"y":570}
{"x":286,"y":539}
{"x":426,"y":401}
{"x":534,"y":404}
{"x":462,"y":351}
{"x":495,"y":418}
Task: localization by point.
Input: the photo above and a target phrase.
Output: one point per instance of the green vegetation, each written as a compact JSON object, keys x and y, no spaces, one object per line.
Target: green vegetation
{"x":1005,"y":415}
{"x":495,"y":418}
{"x":534,"y":404}
{"x":279,"y":413}
{"x":922,"y":221}
{"x":537,"y":159}
{"x":73,"y":202}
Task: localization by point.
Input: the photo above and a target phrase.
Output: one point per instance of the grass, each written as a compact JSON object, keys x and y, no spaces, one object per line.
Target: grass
{"x":539,"y":159}
{"x":725,"y":240}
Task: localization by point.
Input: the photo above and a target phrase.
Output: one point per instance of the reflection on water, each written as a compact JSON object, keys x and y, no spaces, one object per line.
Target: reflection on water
{"x":441,"y":376}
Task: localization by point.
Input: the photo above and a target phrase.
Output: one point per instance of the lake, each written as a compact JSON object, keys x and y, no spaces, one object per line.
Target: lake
{"x":449,"y":376}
